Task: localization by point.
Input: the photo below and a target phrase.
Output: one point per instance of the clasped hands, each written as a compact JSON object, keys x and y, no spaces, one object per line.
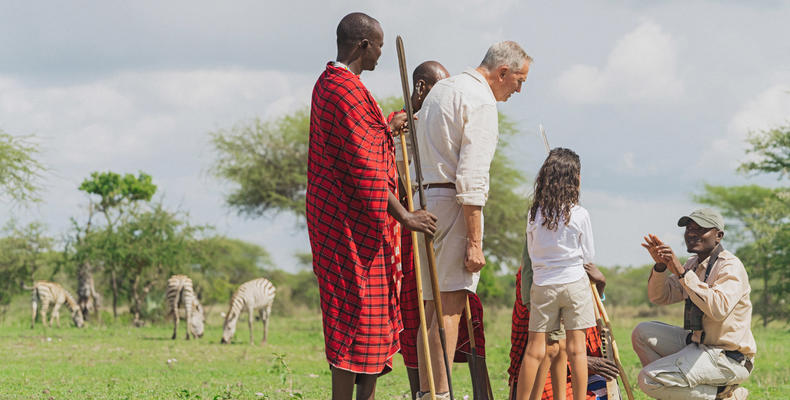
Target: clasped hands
{"x":662,"y":254}
{"x":398,"y":124}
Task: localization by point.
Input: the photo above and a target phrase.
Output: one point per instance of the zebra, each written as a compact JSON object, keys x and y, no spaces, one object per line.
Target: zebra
{"x":45,"y":293}
{"x":180,"y":293}
{"x":257,"y":294}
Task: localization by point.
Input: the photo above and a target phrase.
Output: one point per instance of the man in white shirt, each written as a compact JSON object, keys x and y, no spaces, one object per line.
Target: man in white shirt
{"x":457,"y":136}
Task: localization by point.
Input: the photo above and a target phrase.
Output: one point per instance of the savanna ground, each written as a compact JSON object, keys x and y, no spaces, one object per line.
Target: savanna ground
{"x":118,"y":361}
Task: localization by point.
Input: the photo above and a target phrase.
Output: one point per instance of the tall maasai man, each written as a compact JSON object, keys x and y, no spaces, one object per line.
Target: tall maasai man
{"x":351,"y":200}
{"x":457,"y":135}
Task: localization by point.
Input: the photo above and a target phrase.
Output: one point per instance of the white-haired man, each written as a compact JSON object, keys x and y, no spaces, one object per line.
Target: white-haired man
{"x":457,"y":137}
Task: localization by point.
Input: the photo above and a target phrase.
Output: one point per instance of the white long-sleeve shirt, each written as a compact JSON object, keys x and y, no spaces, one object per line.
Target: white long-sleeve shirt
{"x":457,"y":135}
{"x":558,"y":256}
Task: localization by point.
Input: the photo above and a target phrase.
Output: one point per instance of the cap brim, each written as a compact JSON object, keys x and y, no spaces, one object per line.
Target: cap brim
{"x":683,"y":221}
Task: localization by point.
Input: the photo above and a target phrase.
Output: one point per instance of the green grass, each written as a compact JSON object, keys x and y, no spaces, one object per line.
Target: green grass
{"x":118,"y":361}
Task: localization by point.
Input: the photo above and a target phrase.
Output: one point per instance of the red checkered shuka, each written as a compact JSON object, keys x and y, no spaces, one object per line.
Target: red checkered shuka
{"x":410,"y":314}
{"x":518,"y":344}
{"x":350,"y":171}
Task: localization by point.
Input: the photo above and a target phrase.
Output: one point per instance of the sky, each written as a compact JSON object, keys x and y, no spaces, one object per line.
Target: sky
{"x":656,"y":97}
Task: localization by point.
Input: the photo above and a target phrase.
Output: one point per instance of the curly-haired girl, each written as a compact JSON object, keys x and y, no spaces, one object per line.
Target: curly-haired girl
{"x":560,"y":243}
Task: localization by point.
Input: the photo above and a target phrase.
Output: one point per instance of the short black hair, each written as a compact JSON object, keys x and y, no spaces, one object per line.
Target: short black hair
{"x":429,"y":71}
{"x":355,"y":27}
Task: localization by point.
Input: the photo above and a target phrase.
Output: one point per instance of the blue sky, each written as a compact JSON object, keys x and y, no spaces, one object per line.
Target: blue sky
{"x":656,"y":97}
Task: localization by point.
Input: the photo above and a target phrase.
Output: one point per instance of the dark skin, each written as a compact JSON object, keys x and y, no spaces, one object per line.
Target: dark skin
{"x":363,"y":55}
{"x":699,"y":240}
{"x":425,"y":76}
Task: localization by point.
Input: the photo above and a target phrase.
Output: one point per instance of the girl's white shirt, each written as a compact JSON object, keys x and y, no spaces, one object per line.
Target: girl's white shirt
{"x":558,"y":256}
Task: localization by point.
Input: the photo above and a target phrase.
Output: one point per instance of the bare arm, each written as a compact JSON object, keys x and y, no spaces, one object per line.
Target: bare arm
{"x":419,"y":220}
{"x":475,"y":260}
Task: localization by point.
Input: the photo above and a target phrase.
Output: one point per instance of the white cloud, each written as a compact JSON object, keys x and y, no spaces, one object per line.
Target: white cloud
{"x":619,"y":223}
{"x":135,"y":114}
{"x":640,"y":68}
{"x":769,"y":109}
{"x":155,"y":121}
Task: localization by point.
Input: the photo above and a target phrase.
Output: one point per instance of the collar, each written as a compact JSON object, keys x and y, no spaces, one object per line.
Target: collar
{"x":704,"y":263}
{"x":338,"y":64}
{"x":480,"y":78}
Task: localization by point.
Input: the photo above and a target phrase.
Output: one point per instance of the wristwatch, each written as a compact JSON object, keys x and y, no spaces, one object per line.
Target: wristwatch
{"x":681,"y":276}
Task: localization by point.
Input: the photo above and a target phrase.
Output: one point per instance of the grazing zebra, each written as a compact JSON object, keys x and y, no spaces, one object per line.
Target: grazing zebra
{"x":181,"y":294}
{"x":46,"y":293}
{"x":257,"y":294}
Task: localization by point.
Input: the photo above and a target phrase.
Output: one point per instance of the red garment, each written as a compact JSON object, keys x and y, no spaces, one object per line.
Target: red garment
{"x":463,"y":347}
{"x":350,"y":172}
{"x":518,"y":341}
{"x":409,"y":312}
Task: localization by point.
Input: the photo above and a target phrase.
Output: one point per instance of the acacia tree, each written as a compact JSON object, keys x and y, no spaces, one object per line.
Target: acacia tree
{"x":150,"y":245}
{"x":23,"y":252}
{"x":266,"y":163}
{"x":117,"y":196}
{"x":20,"y":171}
{"x":221,"y":264}
{"x":760,"y":219}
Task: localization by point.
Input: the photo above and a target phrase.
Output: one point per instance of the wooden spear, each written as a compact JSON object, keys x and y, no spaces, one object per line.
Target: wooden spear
{"x":437,"y":297}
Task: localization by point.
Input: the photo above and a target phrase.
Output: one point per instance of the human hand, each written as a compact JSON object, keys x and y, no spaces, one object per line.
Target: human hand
{"x":475,"y":260}
{"x":398,"y":124}
{"x":601,"y":366}
{"x":669,"y":258}
{"x":596,"y":276}
{"x":652,"y":242}
{"x":421,"y":221}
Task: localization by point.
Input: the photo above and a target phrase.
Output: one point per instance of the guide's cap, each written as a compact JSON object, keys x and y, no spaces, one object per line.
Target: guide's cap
{"x":704,"y":217}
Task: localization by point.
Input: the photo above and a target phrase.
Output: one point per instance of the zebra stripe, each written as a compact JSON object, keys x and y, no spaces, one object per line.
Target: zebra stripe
{"x":257,"y":294}
{"x":181,"y":294}
{"x":46,"y":293}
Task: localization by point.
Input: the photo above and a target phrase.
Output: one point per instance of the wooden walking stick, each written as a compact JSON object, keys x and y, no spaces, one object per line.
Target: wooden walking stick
{"x":416,"y":253}
{"x":472,"y":359}
{"x":481,"y":389}
{"x":612,"y":390}
{"x":615,"y":352}
{"x":437,"y":296}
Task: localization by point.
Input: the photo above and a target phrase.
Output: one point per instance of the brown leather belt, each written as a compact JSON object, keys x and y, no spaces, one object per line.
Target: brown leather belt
{"x":446,"y":185}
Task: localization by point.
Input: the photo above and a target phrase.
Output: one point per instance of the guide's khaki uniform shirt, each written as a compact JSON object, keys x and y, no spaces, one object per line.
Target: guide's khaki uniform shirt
{"x":724,"y":299}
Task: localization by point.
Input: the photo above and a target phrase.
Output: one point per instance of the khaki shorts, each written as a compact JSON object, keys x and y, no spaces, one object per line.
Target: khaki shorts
{"x":449,"y":245}
{"x":570,"y":302}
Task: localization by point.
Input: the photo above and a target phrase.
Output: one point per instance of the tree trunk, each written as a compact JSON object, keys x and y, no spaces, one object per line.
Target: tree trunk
{"x":86,"y":292}
{"x":136,"y":302}
{"x":114,"y":282}
{"x":766,"y":297}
